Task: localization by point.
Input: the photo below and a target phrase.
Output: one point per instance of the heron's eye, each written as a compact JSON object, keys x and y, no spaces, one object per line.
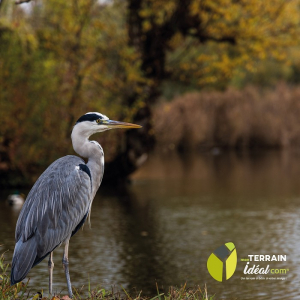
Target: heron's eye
{"x":98,"y":121}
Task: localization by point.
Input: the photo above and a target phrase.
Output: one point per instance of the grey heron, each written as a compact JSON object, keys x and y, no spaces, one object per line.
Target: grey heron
{"x":60,"y":200}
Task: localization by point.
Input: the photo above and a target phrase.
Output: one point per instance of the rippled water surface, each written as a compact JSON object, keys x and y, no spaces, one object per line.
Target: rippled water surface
{"x":175,"y":213}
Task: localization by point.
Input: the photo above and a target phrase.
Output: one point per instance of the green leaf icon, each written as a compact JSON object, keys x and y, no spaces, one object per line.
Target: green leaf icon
{"x":222,"y":262}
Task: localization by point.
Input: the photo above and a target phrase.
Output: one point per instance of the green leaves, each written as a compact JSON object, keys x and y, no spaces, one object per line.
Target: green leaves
{"x":58,"y":61}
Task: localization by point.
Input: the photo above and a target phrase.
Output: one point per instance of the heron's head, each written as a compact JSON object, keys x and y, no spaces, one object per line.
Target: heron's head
{"x":94,"y":122}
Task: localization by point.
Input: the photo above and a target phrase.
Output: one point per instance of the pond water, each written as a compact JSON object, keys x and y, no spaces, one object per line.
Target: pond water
{"x":176,"y":212}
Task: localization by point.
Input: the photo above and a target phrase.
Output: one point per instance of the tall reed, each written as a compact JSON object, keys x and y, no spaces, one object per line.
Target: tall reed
{"x":248,"y":118}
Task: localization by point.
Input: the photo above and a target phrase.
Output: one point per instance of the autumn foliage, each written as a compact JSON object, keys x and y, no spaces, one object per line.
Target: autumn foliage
{"x":60,"y":59}
{"x":234,"y":119}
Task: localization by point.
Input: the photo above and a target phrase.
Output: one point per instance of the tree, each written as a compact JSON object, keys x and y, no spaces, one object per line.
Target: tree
{"x":58,"y":61}
{"x":211,"y":38}
{"x":64,"y":57}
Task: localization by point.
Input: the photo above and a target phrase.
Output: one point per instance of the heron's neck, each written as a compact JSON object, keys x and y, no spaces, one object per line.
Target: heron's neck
{"x":93,"y":152}
{"x":83,"y":146}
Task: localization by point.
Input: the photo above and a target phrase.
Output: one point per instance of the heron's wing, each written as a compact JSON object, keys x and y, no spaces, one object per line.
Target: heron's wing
{"x":56,"y":205}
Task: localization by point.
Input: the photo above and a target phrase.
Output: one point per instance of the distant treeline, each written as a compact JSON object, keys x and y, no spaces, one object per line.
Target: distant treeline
{"x":247,"y":118}
{"x":60,"y":59}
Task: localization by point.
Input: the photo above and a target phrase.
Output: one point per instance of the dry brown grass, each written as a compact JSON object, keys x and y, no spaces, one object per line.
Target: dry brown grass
{"x":245,"y":118}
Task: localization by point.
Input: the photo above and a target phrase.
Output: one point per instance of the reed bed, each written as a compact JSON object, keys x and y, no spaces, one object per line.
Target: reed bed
{"x":248,"y":118}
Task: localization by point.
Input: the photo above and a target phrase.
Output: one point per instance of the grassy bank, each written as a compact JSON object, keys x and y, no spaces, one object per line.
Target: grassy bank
{"x":22,"y":291}
{"x":248,"y":118}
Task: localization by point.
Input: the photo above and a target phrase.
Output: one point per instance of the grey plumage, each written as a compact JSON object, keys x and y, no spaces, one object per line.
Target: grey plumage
{"x":56,"y":204}
{"x":61,"y":199}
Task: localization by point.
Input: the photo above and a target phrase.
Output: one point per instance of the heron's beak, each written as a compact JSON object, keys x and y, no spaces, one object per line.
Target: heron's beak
{"x":116,"y":124}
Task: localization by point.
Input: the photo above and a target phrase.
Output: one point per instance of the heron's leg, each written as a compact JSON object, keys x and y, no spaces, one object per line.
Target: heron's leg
{"x":65,"y":262}
{"x":50,"y":266}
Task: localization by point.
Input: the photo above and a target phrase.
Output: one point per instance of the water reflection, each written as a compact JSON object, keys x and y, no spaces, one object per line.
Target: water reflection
{"x":176,"y":212}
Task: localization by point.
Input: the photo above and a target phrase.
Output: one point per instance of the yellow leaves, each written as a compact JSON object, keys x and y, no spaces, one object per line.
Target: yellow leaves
{"x":262,"y":30}
{"x":158,"y":11}
{"x":203,"y":58}
{"x":145,"y":13}
{"x":255,"y":19}
{"x":249,"y":67}
{"x":195,"y":7}
{"x":146,"y":25}
{"x":98,"y":24}
{"x":176,"y":40}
